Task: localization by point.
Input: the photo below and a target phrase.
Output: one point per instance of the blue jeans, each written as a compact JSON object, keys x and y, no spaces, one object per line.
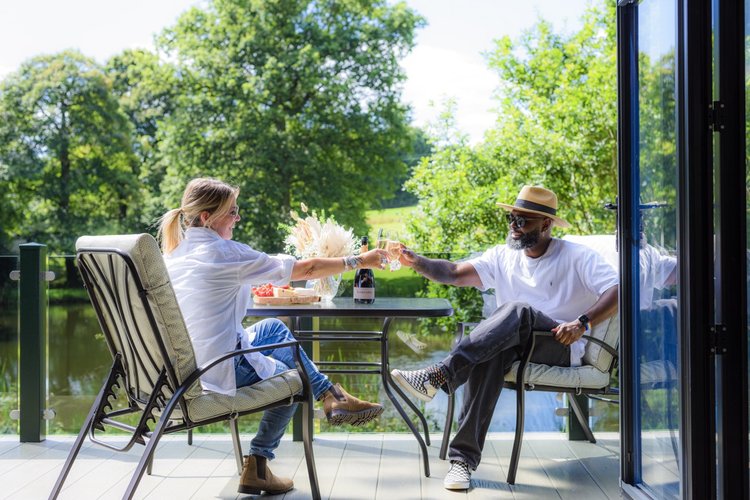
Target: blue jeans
{"x":274,"y":421}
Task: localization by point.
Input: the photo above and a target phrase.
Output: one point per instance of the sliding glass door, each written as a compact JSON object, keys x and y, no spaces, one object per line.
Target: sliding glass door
{"x":656,"y":365}
{"x":684,"y":190}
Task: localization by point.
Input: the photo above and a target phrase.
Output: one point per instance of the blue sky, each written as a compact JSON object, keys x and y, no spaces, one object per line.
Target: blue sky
{"x":446,"y":63}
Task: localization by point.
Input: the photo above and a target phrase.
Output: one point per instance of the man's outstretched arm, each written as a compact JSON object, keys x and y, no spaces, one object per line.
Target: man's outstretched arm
{"x":440,"y":270}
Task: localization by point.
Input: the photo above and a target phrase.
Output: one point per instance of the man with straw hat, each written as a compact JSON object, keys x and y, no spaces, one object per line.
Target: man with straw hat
{"x":540,"y":283}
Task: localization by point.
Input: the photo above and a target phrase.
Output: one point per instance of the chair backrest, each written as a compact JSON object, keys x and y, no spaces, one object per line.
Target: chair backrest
{"x":138,"y":313}
{"x":609,"y":330}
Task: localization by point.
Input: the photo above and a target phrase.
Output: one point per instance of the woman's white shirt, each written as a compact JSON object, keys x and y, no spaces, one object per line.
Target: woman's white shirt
{"x":212,"y":279}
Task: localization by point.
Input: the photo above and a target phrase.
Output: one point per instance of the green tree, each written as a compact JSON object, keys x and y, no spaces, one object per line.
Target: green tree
{"x":556,"y":127}
{"x":419,"y":147}
{"x":146,"y":89}
{"x":294,"y":101}
{"x":65,"y":151}
{"x":657,"y":149}
{"x":558,"y":116}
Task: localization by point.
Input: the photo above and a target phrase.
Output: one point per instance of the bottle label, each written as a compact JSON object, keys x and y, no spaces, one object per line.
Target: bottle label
{"x":364,"y":293}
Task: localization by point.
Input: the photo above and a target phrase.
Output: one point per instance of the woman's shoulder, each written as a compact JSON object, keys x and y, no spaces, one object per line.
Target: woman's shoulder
{"x":236,"y":250}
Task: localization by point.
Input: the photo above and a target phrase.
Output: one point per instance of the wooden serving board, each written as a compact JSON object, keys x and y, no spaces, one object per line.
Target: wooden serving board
{"x":285,"y":301}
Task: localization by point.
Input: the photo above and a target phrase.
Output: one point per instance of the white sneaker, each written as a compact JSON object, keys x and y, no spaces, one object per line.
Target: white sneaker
{"x":458,"y":477}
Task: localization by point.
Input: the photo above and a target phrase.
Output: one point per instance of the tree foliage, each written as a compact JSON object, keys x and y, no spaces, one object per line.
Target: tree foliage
{"x":556,"y":127}
{"x":294,"y":101}
{"x":65,"y":152}
{"x":146,"y":89}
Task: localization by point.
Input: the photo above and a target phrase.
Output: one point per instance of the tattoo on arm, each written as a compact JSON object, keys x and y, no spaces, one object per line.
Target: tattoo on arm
{"x":440,"y":270}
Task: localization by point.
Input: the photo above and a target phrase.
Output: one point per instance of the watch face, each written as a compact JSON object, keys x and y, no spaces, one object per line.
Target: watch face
{"x":583,"y":319}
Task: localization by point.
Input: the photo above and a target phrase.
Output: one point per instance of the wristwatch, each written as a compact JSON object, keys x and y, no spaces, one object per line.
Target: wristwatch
{"x":584,"y":320}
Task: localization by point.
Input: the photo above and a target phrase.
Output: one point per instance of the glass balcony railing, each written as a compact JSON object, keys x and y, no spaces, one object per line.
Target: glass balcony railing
{"x":8,"y":343}
{"x":78,"y":358}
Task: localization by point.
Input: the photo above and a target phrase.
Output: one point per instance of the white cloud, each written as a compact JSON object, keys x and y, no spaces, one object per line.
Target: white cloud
{"x":435,"y":74}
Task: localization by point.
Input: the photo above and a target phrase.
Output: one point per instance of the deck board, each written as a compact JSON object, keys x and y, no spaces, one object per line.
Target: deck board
{"x":349,"y":465}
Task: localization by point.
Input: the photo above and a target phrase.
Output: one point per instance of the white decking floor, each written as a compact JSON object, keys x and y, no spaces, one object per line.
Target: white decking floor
{"x":350,"y":466}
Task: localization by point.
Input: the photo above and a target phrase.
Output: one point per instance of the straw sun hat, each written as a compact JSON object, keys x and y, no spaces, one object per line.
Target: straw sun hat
{"x":537,"y":200}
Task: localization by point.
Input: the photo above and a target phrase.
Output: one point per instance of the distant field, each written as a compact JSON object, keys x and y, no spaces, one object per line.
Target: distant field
{"x":390,"y":219}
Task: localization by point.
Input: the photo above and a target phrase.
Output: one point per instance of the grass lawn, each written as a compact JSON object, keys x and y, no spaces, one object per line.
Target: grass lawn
{"x":401,"y":283}
{"x":390,"y":219}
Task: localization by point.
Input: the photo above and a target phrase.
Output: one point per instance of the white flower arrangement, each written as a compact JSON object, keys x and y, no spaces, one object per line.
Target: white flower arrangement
{"x":309,"y":237}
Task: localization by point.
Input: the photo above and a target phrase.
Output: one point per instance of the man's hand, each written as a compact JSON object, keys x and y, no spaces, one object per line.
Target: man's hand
{"x":408,"y":257}
{"x":567,"y":333}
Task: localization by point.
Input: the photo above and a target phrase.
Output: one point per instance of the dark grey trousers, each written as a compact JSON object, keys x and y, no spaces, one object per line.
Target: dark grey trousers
{"x":481,"y":360}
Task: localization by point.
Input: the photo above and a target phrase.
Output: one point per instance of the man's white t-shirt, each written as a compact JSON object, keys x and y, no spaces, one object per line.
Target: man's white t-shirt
{"x":655,"y":269}
{"x":212,"y":279}
{"x":563,"y":283}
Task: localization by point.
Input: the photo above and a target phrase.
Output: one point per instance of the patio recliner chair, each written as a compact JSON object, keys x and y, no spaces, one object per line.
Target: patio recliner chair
{"x":154,"y":371}
{"x":592,"y":378}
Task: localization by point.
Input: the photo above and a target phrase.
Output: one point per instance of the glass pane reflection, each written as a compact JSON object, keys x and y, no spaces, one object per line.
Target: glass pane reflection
{"x":747,"y":155}
{"x":656,"y":336}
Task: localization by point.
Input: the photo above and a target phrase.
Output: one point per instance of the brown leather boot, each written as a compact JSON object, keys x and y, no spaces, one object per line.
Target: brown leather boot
{"x":341,"y":407}
{"x":257,"y":477}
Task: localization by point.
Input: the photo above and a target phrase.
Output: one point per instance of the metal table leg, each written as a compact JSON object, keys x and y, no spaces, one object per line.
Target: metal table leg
{"x":387,"y":385}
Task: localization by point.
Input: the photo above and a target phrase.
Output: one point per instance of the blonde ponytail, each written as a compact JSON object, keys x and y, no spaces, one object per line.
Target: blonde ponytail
{"x":201,"y":195}
{"x":170,"y":232}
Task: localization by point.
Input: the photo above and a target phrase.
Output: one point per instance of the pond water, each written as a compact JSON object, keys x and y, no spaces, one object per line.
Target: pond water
{"x":79,"y":360}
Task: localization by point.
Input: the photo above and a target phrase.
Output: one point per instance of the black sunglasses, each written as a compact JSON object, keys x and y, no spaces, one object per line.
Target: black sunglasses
{"x":520,"y":220}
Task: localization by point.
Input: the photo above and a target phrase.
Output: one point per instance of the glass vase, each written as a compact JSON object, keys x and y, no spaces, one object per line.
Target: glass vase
{"x":327,"y":287}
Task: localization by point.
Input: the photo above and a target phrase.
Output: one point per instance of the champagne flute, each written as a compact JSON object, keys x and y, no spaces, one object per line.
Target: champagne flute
{"x":388,"y":241}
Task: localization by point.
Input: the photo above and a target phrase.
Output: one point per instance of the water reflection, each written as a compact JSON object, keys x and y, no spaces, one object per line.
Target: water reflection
{"x":79,"y":361}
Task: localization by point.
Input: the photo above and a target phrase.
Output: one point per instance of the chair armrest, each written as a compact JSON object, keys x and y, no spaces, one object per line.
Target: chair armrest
{"x":589,"y":338}
{"x":231,"y":354}
{"x":529,"y":349}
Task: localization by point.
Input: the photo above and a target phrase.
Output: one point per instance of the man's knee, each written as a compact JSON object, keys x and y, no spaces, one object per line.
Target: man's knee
{"x":513,"y":309}
{"x":520,"y":307}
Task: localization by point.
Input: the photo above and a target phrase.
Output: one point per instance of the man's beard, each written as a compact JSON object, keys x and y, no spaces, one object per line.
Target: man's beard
{"x":528,"y":240}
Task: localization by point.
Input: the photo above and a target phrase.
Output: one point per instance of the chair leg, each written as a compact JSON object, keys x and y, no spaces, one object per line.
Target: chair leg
{"x":73,"y":453}
{"x":236,"y":442}
{"x":520,"y":413}
{"x":448,"y":425}
{"x":581,"y":419}
{"x":148,"y":454}
{"x":150,"y":466}
{"x":307,"y":433}
{"x":190,"y":437}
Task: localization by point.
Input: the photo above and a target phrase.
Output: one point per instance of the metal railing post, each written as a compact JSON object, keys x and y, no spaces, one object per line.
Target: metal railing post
{"x":32,"y":369}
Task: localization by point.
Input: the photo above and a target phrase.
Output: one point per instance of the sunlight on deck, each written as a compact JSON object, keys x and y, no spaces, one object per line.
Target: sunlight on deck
{"x":350,"y":466}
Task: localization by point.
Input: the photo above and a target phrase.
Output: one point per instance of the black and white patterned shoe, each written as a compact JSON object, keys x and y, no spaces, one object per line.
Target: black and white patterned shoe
{"x":417,"y":383}
{"x":458,"y":477}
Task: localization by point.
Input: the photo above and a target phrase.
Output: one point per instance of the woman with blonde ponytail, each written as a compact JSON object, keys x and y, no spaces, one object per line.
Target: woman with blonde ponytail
{"x":212,"y":276}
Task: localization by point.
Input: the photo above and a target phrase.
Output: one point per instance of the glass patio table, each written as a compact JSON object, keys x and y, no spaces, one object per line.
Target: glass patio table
{"x":384,"y":308}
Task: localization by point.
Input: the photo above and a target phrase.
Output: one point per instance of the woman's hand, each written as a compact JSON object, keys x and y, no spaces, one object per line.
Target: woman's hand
{"x":567,"y":333}
{"x":374,"y":259}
